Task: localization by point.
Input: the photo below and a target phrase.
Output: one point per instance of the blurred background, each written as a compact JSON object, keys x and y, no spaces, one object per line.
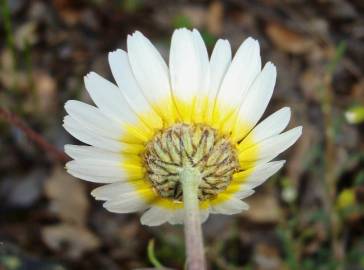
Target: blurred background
{"x":309,"y":216}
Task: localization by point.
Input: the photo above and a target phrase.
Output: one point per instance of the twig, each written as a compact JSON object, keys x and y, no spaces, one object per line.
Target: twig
{"x":32,"y":135}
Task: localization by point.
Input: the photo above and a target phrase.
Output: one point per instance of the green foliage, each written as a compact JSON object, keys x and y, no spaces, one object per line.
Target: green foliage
{"x":131,"y":6}
{"x":209,"y":39}
{"x":355,"y":256}
{"x":172,"y":247}
{"x":10,"y":262}
{"x":7,"y":24}
{"x":359,"y":179}
{"x":339,"y":54}
{"x":288,"y":247}
{"x":180,"y":21}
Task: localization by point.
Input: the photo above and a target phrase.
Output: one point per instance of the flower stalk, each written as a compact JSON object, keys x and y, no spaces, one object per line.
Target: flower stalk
{"x":190,"y":179}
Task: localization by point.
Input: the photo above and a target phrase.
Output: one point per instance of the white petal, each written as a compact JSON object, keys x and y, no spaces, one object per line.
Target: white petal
{"x":229,"y":207}
{"x":244,"y":192}
{"x":256,"y":176}
{"x":273,"y":146}
{"x":128,"y":202}
{"x":204,"y":215}
{"x":94,"y":178}
{"x":87,"y":136}
{"x":151,"y":73}
{"x":103,"y":170}
{"x":177,"y":217}
{"x":244,"y":68}
{"x":271,"y":126}
{"x":201,"y":105}
{"x":90,"y":152}
{"x":204,"y":59}
{"x":112,"y":191}
{"x":91,"y":137}
{"x":188,"y":63}
{"x":93,"y":119}
{"x":124,"y":77}
{"x":155,"y":216}
{"x":219,"y":63}
{"x":109,"y":99}
{"x":100,"y":168}
{"x":256,"y":101}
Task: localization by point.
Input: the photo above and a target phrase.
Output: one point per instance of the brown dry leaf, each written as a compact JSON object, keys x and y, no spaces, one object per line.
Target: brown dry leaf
{"x":68,"y":11}
{"x":45,"y":87}
{"x":68,"y":197}
{"x":264,"y":208}
{"x":215,"y":18}
{"x":287,"y":40}
{"x":71,"y":240}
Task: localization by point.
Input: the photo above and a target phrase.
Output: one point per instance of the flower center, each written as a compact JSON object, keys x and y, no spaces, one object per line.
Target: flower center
{"x":197,"y":146}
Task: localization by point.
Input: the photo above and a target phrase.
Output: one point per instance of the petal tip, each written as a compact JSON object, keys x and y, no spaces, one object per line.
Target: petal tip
{"x":299,"y":130}
{"x":115,"y":53}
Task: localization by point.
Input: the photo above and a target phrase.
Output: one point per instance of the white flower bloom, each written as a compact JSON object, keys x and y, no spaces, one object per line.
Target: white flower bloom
{"x":155,"y":120}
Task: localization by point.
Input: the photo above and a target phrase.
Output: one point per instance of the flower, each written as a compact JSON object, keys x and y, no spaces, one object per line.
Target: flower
{"x":156,"y":120}
{"x":355,"y":115}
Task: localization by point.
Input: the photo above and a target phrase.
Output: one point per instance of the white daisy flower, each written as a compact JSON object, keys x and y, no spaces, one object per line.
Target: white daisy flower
{"x":197,"y":113}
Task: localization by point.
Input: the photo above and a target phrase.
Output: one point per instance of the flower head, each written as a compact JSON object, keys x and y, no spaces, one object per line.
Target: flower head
{"x":156,"y":120}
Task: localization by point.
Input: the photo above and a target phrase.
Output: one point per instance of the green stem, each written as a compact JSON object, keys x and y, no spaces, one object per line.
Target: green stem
{"x":151,"y":255}
{"x":5,"y":13}
{"x":190,"y":179}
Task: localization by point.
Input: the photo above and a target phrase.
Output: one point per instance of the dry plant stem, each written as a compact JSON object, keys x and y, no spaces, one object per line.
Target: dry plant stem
{"x":190,"y":179}
{"x":330,"y":179}
{"x":37,"y":138}
{"x":337,"y":245}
